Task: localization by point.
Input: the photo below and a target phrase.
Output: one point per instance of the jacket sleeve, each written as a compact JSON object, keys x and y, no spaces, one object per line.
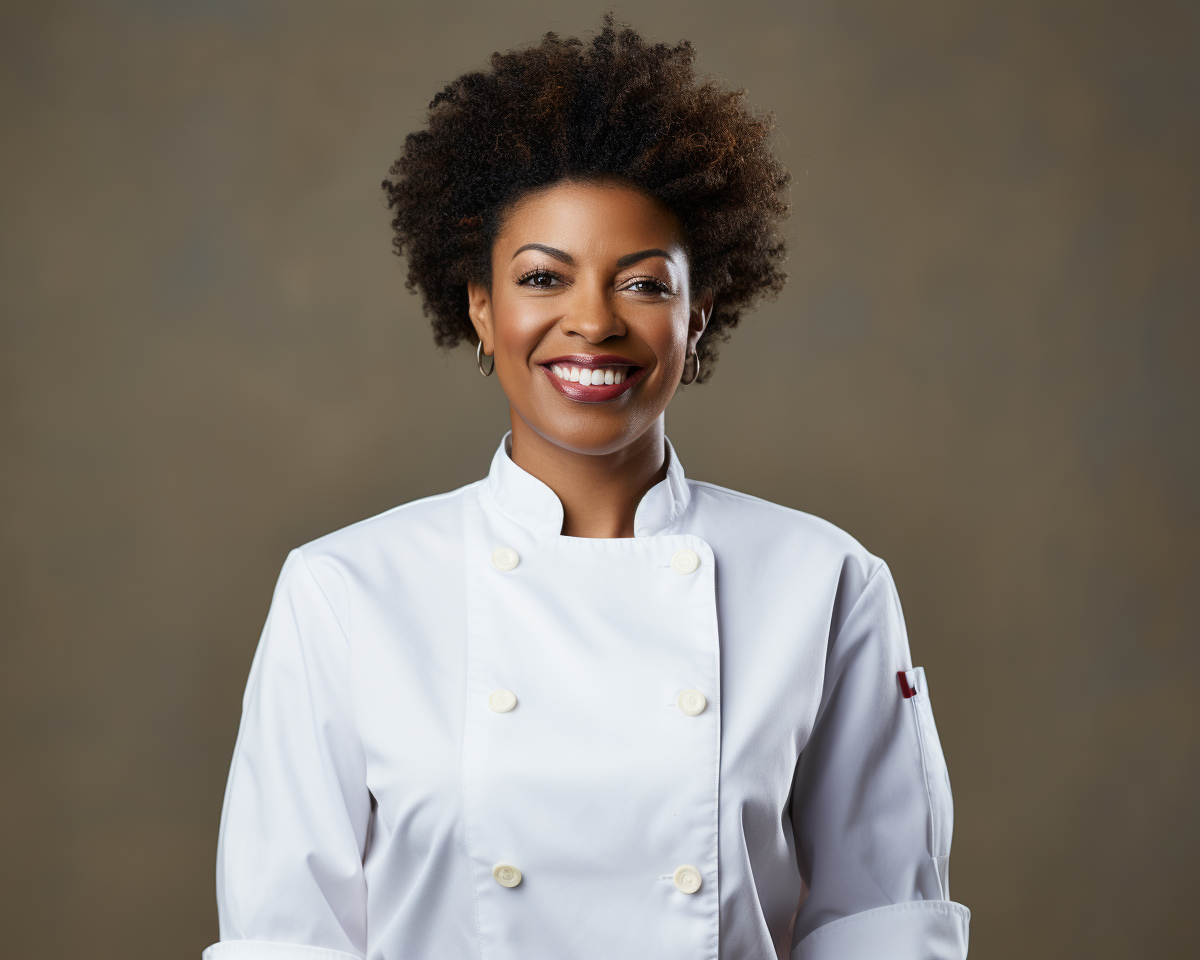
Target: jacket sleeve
{"x":871,"y":807}
{"x":290,"y":882}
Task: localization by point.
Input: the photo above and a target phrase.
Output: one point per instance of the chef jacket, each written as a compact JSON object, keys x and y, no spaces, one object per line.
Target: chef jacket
{"x":466,"y":736}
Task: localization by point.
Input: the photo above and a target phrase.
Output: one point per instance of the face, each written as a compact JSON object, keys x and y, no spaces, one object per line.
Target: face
{"x":589,"y":315}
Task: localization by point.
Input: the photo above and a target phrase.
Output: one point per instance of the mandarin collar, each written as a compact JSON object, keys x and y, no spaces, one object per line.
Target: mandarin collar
{"x":524,"y":498}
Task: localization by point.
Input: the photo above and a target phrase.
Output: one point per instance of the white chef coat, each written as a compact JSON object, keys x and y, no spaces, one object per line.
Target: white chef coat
{"x":655,"y":739}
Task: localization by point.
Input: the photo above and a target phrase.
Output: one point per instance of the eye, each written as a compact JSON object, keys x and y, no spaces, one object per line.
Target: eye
{"x":648,"y":285}
{"x":540,"y":278}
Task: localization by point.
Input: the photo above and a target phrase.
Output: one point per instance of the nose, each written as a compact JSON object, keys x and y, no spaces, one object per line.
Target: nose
{"x":593,"y":314}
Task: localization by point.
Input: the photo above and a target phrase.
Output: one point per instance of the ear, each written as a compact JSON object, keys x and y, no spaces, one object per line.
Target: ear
{"x":698,"y":320}
{"x":479,"y":307}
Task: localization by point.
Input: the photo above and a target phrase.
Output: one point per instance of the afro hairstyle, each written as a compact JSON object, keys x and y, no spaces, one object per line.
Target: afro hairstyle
{"x":618,"y":108}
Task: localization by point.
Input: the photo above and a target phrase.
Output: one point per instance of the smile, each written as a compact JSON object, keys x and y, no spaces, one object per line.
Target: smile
{"x":587,"y":376}
{"x":589,"y":379}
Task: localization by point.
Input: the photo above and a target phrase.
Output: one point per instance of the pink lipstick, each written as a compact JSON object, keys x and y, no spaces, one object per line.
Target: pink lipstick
{"x":591,"y":378}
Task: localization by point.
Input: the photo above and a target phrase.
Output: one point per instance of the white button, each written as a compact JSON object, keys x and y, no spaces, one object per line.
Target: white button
{"x":501,"y":701}
{"x":687,"y":879}
{"x":504,"y":559}
{"x":509,"y":876}
{"x":685,"y":562}
{"x":691,"y":702}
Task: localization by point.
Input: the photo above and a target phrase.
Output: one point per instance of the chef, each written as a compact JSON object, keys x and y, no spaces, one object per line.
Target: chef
{"x":587,"y":707}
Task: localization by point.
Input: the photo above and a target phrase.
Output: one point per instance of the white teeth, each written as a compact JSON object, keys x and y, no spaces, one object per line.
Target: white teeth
{"x":588,"y":377}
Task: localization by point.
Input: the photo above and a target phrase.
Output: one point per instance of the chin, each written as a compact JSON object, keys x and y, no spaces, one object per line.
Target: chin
{"x":594,"y":438}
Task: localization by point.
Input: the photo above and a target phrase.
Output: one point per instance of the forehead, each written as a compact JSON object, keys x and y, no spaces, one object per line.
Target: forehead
{"x":590,"y":217}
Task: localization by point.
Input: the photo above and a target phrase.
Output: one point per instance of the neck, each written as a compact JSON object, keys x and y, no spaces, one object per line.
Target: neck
{"x":599,"y":492}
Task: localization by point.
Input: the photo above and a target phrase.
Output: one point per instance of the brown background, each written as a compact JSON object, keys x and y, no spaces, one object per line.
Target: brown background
{"x":985,"y":367}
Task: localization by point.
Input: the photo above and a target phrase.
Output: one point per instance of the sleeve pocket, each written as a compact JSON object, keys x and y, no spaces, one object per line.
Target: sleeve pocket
{"x":937,"y":778}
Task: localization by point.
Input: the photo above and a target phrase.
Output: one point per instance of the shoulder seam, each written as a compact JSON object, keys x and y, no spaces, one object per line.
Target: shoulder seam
{"x":391,"y":510}
{"x":324,"y":596}
{"x":880,"y":565}
{"x":751,"y":498}
{"x":794,"y":511}
{"x":743,"y":496}
{"x":413,"y":503}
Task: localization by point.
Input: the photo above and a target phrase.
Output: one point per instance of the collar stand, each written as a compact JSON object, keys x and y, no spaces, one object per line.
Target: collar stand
{"x":528,"y":501}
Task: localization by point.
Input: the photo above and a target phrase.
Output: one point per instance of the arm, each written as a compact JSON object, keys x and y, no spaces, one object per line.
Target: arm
{"x":289,"y":859}
{"x":871,"y":806}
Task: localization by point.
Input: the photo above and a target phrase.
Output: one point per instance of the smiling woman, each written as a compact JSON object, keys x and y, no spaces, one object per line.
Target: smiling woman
{"x":587,"y":707}
{"x":590,"y":303}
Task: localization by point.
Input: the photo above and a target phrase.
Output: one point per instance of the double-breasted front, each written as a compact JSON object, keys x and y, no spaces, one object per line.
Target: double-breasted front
{"x":467,"y":737}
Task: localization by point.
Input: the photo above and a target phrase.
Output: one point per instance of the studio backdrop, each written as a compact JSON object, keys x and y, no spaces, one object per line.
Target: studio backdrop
{"x":985,"y":367}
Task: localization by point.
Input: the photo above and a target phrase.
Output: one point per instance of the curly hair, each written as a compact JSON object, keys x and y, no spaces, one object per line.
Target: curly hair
{"x":619,"y":109}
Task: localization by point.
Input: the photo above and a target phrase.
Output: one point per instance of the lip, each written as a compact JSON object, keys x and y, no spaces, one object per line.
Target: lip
{"x":593,"y":393}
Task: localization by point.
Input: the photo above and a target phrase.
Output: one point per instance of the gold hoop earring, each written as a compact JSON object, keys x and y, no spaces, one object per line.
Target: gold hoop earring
{"x":694,"y":362}
{"x":479,"y":361}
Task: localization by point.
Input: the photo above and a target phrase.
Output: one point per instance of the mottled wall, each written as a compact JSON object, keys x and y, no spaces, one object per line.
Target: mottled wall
{"x":985,"y":367}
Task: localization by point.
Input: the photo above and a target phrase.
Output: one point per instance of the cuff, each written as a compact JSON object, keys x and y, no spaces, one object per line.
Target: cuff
{"x":265,"y":950}
{"x":920,"y":930}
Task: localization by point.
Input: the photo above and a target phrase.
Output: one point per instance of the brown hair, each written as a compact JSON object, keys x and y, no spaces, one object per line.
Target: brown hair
{"x":618,"y":108}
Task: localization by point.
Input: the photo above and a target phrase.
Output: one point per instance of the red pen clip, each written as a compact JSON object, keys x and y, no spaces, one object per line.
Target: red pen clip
{"x":904,"y":687}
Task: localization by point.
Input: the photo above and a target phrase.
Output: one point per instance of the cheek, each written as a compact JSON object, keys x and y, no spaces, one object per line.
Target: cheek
{"x":520,"y":325}
{"x":667,"y":335}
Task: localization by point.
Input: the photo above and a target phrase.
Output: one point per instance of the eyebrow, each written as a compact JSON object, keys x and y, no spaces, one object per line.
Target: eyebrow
{"x":552,"y":251}
{"x":631,"y":258}
{"x":626,"y":261}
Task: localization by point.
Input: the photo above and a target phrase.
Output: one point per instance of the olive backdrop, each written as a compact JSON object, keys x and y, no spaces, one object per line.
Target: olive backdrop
{"x":985,"y":367}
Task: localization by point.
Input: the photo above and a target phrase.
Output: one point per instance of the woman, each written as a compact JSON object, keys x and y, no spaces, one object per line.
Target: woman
{"x":587,"y":707}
